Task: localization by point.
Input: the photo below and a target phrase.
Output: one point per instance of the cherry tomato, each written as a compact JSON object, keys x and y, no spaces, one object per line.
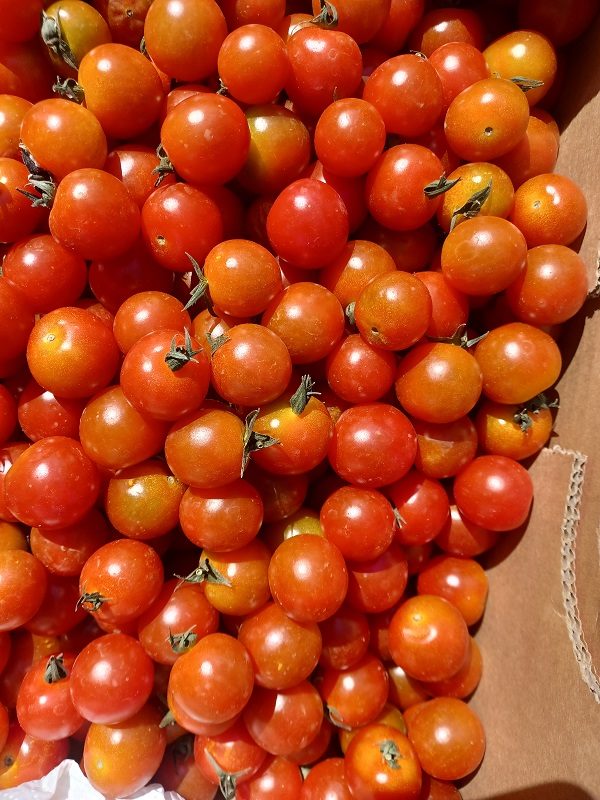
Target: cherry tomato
{"x":549,"y":209}
{"x":44,"y":706}
{"x":458,"y":65}
{"x":23,"y":581}
{"x":461,"y":581}
{"x":407,"y":92}
{"x":94,"y":215}
{"x":518,"y":362}
{"x":429,"y":638}
{"x":27,"y":758}
{"x":326,"y":779}
{"x":512,"y":430}
{"x":345,"y":639}
{"x":396,"y":183}
{"x":241,"y":586}
{"x":349,"y":137}
{"x":422,"y":505}
{"x":52,"y":484}
{"x":297,"y":567}
{"x":442,"y":25}
{"x":359,"y":521}
{"x":184,"y":40}
{"x":525,"y":54}
{"x":19,"y":217}
{"x":65,"y":551}
{"x":457,"y":751}
{"x":164,"y":375}
{"x":461,"y":537}
{"x":284,"y":652}
{"x":371,"y":764}
{"x":122,"y":89}
{"x":476,"y":179}
{"x":377,"y":584}
{"x":283,"y":721}
{"x":487,"y":119}
{"x":253,"y":64}
{"x":536,"y":153}
{"x":213,"y":681}
{"x":82,"y":28}
{"x":354,"y":696}
{"x":359,"y":372}
{"x":119,"y":581}
{"x":121,"y":758}
{"x":206,"y":138}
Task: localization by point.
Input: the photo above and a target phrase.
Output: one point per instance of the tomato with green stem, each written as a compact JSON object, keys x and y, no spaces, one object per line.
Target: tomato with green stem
{"x":44,"y":706}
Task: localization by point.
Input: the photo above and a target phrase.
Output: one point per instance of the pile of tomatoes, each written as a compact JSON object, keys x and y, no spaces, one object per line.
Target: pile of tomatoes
{"x":281,"y":288}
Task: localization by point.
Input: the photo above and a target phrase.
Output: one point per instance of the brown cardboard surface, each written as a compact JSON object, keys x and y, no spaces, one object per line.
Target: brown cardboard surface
{"x":540,"y":696}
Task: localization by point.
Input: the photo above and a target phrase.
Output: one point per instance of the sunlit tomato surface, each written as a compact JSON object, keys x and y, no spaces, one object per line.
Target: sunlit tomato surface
{"x":206,"y":138}
{"x":308,"y":224}
{"x":395,"y":187}
{"x":72,"y":353}
{"x":422,"y":506}
{"x":184,"y":40}
{"x":120,"y":580}
{"x":162,"y":377}
{"x":515,"y":431}
{"x":326,"y":779}
{"x":393,"y":311}
{"x":297,"y":566}
{"x":349,"y":136}
{"x":345,"y":638}
{"x":286,"y":720}
{"x":23,"y":585}
{"x":354,"y":696}
{"x":486,"y":119}
{"x":465,"y":681}
{"x":213,"y":681}
{"x":458,"y":65}
{"x":371,"y":765}
{"x":461,"y":537}
{"x":523,"y":54}
{"x":549,"y":209}
{"x":483,"y":187}
{"x":441,"y":25}
{"x":19,"y":218}
{"x":429,"y":638}
{"x":359,"y":521}
{"x":407,"y":92}
{"x":122,"y":89}
{"x":65,"y":551}
{"x":44,"y":706}
{"x":372,"y":445}
{"x":359,"y":372}
{"x":518,"y":361}
{"x":119,"y":759}
{"x":242,"y":585}
{"x":495,"y":492}
{"x":63,"y":136}
{"x":535,"y":153}
{"x":94,"y":215}
{"x":447,"y":736}
{"x":377,"y":584}
{"x":461,"y":581}
{"x":52,"y":484}
{"x":283,"y":651}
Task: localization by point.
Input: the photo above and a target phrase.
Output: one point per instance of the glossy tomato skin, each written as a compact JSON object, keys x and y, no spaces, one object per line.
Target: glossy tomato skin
{"x":423,"y":506}
{"x":297,"y":567}
{"x":355,"y":696}
{"x":363,"y":437}
{"x":23,"y":583}
{"x":283,"y":651}
{"x":128,"y":575}
{"x":376,"y":585}
{"x":461,"y":581}
{"x":395,"y":185}
{"x":518,"y":361}
{"x":308,"y":224}
{"x":180,"y":219}
{"x":407,"y":92}
{"x":49,"y":274}
{"x":359,"y":521}
{"x":63,"y":136}
{"x":122,"y":89}
{"x":523,"y":53}
{"x":359,"y":372}
{"x":109,"y":695}
{"x":549,"y":209}
{"x":72,"y":353}
{"x":495,"y":492}
{"x":119,"y":759}
{"x":206,"y":138}
{"x":349,"y":137}
{"x":284,"y":721}
{"x":213,"y":681}
{"x":53,"y":484}
{"x":44,"y":707}
{"x":19,"y":217}
{"x":94,"y":215}
{"x":372,"y":774}
{"x":500,"y":433}
{"x":429,"y":638}
{"x":460,"y":749}
{"x":326,"y":779}
{"x":184,"y":42}
{"x":153,"y":387}
{"x":65,"y":551}
{"x":27,"y":758}
{"x":438,"y":382}
{"x":458,"y":65}
{"x":345,"y":638}
{"x":487,"y":119}
{"x":204,"y":448}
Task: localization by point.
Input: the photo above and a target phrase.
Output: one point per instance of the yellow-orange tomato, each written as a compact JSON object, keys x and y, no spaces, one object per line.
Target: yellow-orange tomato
{"x":12,"y":537}
{"x":119,"y":759}
{"x":523,"y":54}
{"x":500,"y":433}
{"x":474,"y":178}
{"x":486,"y":119}
{"x":549,"y":209}
{"x":82,"y":27}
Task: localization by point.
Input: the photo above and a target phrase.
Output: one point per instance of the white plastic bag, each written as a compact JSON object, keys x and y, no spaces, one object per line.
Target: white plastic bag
{"x":67,"y":782}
